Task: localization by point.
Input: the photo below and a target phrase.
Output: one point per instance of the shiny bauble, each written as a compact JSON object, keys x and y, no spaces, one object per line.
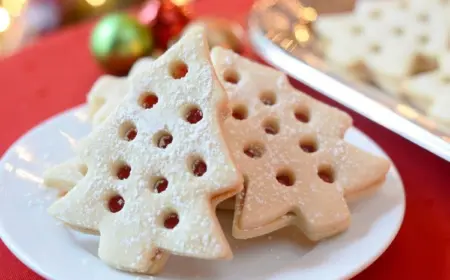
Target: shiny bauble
{"x":165,"y":19}
{"x":118,"y":41}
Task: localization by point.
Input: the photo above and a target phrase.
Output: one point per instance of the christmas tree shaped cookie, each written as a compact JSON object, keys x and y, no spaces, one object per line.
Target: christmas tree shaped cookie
{"x":297,"y":168}
{"x":431,"y":91}
{"x":157,"y":166}
{"x":386,"y":41}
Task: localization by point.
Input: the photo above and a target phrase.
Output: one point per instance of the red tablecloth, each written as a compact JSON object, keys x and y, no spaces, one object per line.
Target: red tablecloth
{"x":55,"y":74}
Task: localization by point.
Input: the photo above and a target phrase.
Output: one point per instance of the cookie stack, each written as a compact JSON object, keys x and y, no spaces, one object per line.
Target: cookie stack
{"x":187,"y":132}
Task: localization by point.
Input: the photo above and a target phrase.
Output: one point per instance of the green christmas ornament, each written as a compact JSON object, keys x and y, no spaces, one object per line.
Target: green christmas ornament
{"x":118,"y":40}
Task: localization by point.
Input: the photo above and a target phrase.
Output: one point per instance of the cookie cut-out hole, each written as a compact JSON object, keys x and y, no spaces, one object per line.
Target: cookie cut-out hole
{"x":83,"y":169}
{"x":128,"y":131}
{"x":375,"y":48}
{"x":286,"y":177}
{"x":197,"y":166}
{"x":326,"y":173}
{"x":268,"y":98}
{"x":231,"y":76}
{"x":302,"y":114}
{"x":398,"y":31}
{"x":171,"y":221}
{"x":403,"y":5}
{"x":178,"y":69}
{"x":423,"y":17}
{"x":162,"y":139}
{"x":375,"y":14}
{"x":356,"y":30}
{"x":148,"y":100}
{"x":445,"y":79}
{"x":115,"y":203}
{"x":121,"y":170}
{"x":254,"y":150}
{"x":239,"y":112}
{"x":192,"y":114}
{"x":423,"y":39}
{"x":160,"y":184}
{"x":271,"y":126}
{"x":308,"y":145}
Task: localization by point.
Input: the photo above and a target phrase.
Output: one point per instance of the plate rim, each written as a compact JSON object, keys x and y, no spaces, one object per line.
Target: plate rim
{"x":5,"y":237}
{"x":21,"y":255}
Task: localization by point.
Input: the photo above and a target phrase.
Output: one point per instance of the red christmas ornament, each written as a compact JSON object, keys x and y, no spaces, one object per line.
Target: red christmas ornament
{"x":166,"y":20}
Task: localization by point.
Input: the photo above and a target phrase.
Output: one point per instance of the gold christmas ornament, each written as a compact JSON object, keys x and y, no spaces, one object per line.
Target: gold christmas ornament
{"x":118,"y":40}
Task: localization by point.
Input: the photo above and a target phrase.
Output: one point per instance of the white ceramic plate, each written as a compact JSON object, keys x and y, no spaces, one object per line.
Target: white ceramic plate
{"x":58,"y":253}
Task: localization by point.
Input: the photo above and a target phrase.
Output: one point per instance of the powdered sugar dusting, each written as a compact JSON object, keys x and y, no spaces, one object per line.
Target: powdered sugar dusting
{"x":143,"y":215}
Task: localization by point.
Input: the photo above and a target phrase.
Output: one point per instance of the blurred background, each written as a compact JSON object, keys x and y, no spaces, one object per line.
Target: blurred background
{"x":22,"y":21}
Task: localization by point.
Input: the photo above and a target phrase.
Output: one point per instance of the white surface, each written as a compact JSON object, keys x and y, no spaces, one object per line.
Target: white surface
{"x":61,"y":254}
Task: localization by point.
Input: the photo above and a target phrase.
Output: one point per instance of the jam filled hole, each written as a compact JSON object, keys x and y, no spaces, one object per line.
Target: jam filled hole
{"x":148,"y":100}
{"x":239,"y":112}
{"x":308,"y":145}
{"x":178,"y":69}
{"x":162,"y":139}
{"x":160,"y":184}
{"x":192,"y":114}
{"x":302,"y":114}
{"x":171,"y":220}
{"x":254,"y":150}
{"x":268,"y":98}
{"x":271,"y":126}
{"x":121,"y":170}
{"x":197,"y":166}
{"x":115,"y":203}
{"x":231,"y":76}
{"x":326,"y":173}
{"x":286,"y":177}
{"x":127,"y":131}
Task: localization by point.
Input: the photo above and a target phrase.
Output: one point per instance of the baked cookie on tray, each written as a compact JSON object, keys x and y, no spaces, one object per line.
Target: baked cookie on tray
{"x":385,"y":42}
{"x":431,"y":91}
